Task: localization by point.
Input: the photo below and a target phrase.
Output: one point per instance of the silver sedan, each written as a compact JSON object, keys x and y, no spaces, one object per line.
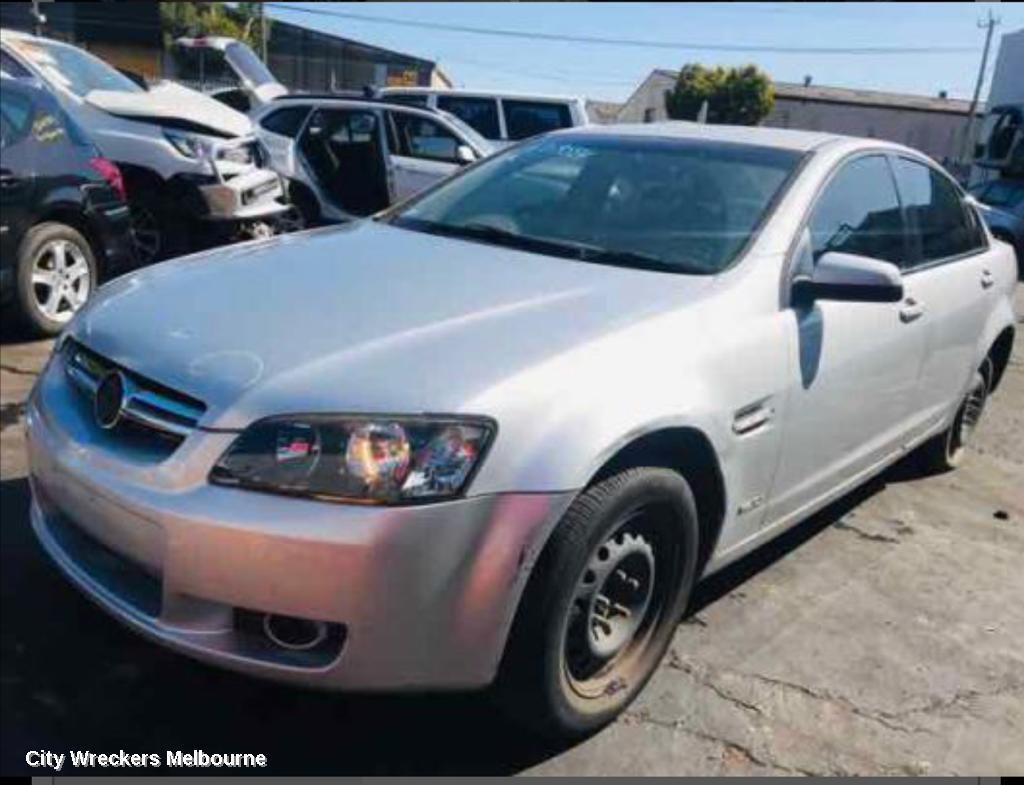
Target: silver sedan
{"x":498,"y":433}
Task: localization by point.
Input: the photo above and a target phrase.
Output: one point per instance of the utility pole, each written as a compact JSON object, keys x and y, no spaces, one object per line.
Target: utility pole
{"x":38,"y":19}
{"x":989,"y":25}
{"x":263,"y":32}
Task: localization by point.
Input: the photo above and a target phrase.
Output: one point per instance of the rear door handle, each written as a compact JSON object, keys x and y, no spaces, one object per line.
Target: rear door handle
{"x":987,"y":279}
{"x":911,"y":310}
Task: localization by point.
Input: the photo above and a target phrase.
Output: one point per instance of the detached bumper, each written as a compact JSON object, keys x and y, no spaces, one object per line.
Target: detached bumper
{"x":424,"y":596}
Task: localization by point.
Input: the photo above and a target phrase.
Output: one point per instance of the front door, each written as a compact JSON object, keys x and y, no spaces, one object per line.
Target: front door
{"x":422,"y":152}
{"x":856,"y":364}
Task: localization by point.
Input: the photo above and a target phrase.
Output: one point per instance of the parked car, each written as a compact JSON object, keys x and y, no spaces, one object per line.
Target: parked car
{"x":501,"y":118}
{"x":1002,"y":205}
{"x":192,"y":168}
{"x":498,"y":432}
{"x":64,"y":225}
{"x":345,"y":157}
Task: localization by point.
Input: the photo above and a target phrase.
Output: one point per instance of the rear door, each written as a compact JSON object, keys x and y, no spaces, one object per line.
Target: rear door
{"x":17,"y":170}
{"x":949,"y":281}
{"x":423,"y":151}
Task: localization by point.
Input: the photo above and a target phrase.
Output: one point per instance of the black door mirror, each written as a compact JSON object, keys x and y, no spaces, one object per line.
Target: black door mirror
{"x":848,"y":277}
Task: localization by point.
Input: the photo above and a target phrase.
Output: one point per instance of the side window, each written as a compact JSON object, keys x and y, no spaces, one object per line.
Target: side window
{"x":480,"y":113}
{"x":524,"y":119}
{"x":859,"y":213}
{"x":421,"y":137}
{"x":944,"y":225}
{"x":286,"y":122}
{"x":408,"y":99}
{"x":12,"y":67}
{"x":16,"y":114}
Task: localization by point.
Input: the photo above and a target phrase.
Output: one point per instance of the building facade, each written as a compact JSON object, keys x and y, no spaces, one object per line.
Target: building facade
{"x":933,"y":125}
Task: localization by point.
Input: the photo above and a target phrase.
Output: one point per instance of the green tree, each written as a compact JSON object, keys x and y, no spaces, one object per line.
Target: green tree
{"x":241,"y":21}
{"x":737,"y":96}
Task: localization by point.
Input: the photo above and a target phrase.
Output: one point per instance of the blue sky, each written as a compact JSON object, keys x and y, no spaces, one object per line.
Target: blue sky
{"x":610,"y":72}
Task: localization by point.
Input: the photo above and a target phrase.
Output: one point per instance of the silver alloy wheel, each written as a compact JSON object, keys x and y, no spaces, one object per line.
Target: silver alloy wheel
{"x":146,"y":234}
{"x":61,"y":280}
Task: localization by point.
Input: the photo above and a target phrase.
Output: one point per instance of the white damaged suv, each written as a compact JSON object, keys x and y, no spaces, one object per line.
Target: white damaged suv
{"x":498,"y":433}
{"x":192,"y":168}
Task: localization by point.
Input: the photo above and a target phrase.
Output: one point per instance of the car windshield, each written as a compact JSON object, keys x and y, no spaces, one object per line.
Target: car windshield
{"x":674,"y":205}
{"x":73,"y":69}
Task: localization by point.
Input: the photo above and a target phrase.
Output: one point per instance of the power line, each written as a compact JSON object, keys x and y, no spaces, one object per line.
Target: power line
{"x":539,"y":36}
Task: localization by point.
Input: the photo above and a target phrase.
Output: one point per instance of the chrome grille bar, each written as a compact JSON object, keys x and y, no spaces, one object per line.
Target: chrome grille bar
{"x":145,"y":402}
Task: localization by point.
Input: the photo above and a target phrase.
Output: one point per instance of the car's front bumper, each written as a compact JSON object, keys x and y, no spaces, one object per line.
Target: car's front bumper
{"x":425,"y":595}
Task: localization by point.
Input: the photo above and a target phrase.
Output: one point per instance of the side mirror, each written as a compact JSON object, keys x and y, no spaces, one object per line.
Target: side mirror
{"x":851,"y":278}
{"x":464,"y":154}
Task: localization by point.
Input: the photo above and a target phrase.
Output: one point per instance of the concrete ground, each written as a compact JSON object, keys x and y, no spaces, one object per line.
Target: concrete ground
{"x":884,"y":636}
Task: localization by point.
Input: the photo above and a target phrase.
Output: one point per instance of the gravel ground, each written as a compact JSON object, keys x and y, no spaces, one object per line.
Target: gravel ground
{"x":883,"y":636}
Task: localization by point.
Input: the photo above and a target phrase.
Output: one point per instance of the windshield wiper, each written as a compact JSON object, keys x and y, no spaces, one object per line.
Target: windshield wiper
{"x":569,"y":249}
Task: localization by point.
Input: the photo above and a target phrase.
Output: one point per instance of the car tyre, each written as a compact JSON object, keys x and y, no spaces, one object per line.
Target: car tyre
{"x":946,"y":451}
{"x":602,"y":604}
{"x":157,"y":233}
{"x":56,"y":274}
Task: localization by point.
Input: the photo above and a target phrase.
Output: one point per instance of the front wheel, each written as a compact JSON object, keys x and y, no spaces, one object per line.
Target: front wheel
{"x":602,"y":603}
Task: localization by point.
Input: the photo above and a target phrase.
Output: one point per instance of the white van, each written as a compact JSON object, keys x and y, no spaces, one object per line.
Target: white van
{"x":501,"y":118}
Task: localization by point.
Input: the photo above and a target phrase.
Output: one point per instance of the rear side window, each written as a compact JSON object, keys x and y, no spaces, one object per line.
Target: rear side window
{"x":524,"y":119}
{"x":480,"y":113}
{"x":286,"y":122}
{"x":16,"y":112}
{"x":859,"y":213}
{"x":942,"y":223}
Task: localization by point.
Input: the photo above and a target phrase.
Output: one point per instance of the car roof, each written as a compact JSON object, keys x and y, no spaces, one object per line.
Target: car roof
{"x":320,"y":99}
{"x":784,"y":138}
{"x":480,"y":93}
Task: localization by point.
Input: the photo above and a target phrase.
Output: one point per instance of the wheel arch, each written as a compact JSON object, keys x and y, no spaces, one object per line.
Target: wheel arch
{"x":688,"y":451}
{"x":999,"y":355}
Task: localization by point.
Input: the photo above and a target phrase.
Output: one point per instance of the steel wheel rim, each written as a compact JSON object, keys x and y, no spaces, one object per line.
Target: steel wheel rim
{"x":967,"y":418}
{"x":61,"y":280}
{"x":590,"y":676}
{"x":145,"y":234}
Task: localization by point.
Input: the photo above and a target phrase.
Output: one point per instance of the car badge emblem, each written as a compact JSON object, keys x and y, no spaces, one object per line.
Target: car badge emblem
{"x":109,"y":402}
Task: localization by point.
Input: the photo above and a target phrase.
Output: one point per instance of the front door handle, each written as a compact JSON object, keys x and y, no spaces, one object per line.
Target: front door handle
{"x":987,"y":279}
{"x":911,"y":310}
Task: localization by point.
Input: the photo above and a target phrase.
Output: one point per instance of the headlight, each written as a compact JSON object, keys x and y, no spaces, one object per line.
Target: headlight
{"x":188,"y":145}
{"x":385,"y":460}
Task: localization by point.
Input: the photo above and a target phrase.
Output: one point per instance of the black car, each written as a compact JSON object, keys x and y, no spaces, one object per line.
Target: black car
{"x":64,"y":224}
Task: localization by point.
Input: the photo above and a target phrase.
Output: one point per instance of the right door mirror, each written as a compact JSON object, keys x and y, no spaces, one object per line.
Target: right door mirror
{"x":848,"y":277}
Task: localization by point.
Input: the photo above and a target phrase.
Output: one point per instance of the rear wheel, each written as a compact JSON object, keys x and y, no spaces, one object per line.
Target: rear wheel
{"x":56,"y":275}
{"x":602,"y":603}
{"x":946,"y":451}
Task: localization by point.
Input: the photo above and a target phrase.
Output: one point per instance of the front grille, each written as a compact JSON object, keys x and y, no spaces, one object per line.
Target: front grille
{"x":146,"y":405}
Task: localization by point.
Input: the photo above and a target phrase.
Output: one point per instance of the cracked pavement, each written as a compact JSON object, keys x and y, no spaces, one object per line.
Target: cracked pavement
{"x":883,"y":636}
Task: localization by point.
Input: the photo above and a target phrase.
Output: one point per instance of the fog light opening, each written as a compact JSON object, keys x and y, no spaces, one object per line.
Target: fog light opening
{"x":293,"y":633}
